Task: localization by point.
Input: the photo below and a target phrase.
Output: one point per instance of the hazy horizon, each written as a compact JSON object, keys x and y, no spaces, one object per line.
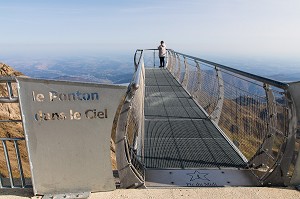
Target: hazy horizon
{"x":118,"y":67}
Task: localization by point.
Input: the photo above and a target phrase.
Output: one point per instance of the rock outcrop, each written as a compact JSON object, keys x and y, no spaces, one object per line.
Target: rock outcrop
{"x":6,"y":70}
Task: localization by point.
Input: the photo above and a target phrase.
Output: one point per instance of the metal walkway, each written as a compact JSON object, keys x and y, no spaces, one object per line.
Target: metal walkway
{"x":178,"y":134}
{"x":198,"y":123}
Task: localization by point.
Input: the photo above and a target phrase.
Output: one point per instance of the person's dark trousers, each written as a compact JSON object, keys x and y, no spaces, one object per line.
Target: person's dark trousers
{"x":162,"y":61}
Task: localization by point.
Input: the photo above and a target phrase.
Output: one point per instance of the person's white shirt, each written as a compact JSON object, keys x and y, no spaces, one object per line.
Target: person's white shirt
{"x":162,"y":50}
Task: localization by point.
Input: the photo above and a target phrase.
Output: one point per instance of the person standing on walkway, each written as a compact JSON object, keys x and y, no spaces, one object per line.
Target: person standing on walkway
{"x":162,"y":53}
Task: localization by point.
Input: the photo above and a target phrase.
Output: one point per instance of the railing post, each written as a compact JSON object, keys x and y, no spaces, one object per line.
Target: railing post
{"x":154,"y":57}
{"x":186,"y":75}
{"x":215,"y":115}
{"x":174,"y":62}
{"x":19,"y":164}
{"x":169,"y":63}
{"x":282,"y":167}
{"x":134,"y":60}
{"x":179,"y":68}
{"x":272,"y":123}
{"x":1,"y":183}
{"x":198,"y":83}
{"x":294,"y":115}
{"x":9,"y":90}
{"x":263,"y":155}
{"x":8,"y":164}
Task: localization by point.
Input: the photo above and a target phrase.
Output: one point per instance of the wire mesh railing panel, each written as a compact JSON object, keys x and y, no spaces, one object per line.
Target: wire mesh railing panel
{"x":193,"y":80}
{"x":201,"y":82}
{"x":176,"y":67}
{"x":244,"y":117}
{"x":281,"y":104}
{"x":207,"y":96}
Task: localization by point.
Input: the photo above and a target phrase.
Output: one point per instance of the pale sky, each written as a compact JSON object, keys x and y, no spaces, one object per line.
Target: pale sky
{"x":268,"y":28}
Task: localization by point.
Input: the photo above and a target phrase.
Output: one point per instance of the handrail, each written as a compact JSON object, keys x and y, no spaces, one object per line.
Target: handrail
{"x":9,"y":100}
{"x":246,"y":74}
{"x":130,"y":125}
{"x":12,"y":139}
{"x":137,"y":75}
{"x":4,"y":79}
{"x":134,"y":58}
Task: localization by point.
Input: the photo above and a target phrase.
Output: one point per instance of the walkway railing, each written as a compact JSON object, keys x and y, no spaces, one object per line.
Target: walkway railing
{"x":14,"y":182}
{"x":258,"y":115}
{"x":130,"y":130}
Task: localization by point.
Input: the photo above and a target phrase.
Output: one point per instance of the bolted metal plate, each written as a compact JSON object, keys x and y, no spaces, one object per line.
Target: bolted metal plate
{"x":80,"y":195}
{"x":67,"y":129}
{"x":199,"y":178}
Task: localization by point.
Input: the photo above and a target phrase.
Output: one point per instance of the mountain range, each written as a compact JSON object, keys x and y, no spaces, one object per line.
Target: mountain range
{"x":85,"y":69}
{"x":119,"y":69}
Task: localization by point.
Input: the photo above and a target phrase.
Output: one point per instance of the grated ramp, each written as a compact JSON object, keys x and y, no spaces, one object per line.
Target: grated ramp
{"x":178,"y":134}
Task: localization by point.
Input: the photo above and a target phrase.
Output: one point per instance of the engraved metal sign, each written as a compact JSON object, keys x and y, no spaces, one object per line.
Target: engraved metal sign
{"x":67,"y":128}
{"x":199,"y":178}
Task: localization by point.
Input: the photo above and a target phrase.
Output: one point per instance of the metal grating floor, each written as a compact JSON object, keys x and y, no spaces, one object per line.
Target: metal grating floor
{"x":178,"y":134}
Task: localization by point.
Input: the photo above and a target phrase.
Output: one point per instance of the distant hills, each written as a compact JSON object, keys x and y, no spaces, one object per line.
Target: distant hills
{"x":84,"y":69}
{"x":119,"y":69}
{"x":290,"y":77}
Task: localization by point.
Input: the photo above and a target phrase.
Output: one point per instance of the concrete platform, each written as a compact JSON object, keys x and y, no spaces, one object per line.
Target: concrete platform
{"x":211,"y":193}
